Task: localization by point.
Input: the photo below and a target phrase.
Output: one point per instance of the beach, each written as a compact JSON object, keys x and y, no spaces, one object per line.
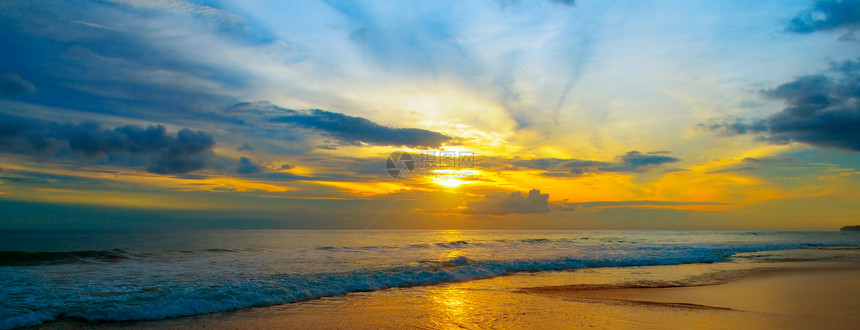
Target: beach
{"x":783,"y":295}
{"x":497,"y":164}
{"x":267,"y":279}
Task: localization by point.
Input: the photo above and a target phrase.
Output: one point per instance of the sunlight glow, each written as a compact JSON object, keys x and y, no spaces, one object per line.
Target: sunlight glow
{"x":450,"y":183}
{"x":453,"y":178}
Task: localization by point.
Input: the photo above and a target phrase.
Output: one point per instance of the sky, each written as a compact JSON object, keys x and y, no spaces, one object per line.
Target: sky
{"x":486,"y":114}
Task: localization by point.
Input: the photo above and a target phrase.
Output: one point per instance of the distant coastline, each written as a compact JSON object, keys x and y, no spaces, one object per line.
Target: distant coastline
{"x":850,"y":228}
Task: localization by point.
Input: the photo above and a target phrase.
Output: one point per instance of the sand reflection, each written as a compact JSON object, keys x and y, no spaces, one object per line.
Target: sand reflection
{"x":452,"y":306}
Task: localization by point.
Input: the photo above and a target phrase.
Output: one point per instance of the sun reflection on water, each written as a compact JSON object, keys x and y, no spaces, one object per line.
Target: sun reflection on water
{"x":450,"y":235}
{"x":452,"y":305}
{"x":451,"y":302}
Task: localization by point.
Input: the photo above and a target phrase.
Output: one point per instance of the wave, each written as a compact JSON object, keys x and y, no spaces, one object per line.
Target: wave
{"x":288,"y":288}
{"x":27,"y":258}
{"x":445,"y":245}
{"x":452,"y":245}
{"x":536,"y":240}
{"x":139,"y":300}
{"x":24,"y":258}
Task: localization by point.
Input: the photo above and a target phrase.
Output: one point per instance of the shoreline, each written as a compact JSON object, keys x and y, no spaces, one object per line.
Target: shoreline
{"x":726,"y":300}
{"x":797,"y":298}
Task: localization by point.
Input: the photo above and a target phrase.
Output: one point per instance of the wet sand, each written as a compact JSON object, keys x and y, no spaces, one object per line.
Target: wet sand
{"x":799,"y":298}
{"x":791,"y":296}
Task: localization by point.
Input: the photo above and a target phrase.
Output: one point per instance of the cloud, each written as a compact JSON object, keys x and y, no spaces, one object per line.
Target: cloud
{"x":769,"y":160}
{"x":11,"y":85}
{"x":246,"y":166}
{"x":535,"y":202}
{"x":245,"y":147}
{"x":515,"y":202}
{"x":108,"y":58}
{"x":180,"y":7}
{"x":733,"y":170}
{"x":746,"y":164}
{"x":827,"y":15}
{"x":821,"y":110}
{"x":633,"y":161}
{"x":506,"y":3}
{"x":265,"y":117}
{"x":356,"y":129}
{"x":185,"y":153}
{"x":556,"y":163}
{"x":564,"y":2}
{"x":731,"y":126}
{"x":165,"y":154}
{"x":567,"y":207}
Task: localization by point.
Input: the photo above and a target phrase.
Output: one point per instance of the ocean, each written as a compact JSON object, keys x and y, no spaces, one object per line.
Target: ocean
{"x":101,"y":276}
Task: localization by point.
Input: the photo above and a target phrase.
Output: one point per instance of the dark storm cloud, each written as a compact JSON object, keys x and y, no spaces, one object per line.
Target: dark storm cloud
{"x":165,"y":154}
{"x":821,"y":110}
{"x":11,"y":85}
{"x":633,"y":161}
{"x":185,"y":153}
{"x":827,"y":15}
{"x":246,"y":166}
{"x":356,"y":129}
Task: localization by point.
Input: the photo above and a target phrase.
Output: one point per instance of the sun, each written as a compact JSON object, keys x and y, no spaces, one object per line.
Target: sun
{"x":453,"y":178}
{"x":450,"y":183}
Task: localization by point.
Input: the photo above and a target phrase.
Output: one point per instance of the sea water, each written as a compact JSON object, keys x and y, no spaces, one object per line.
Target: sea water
{"x":146,"y":275}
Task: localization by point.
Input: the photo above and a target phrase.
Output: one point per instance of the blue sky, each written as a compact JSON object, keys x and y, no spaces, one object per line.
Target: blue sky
{"x":645,"y":114}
